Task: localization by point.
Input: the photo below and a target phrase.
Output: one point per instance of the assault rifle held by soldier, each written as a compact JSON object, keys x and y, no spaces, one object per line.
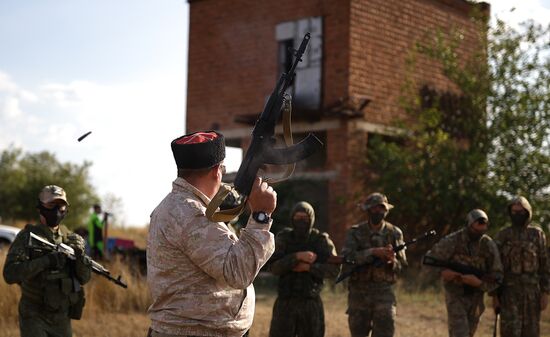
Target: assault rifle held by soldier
{"x":457,"y":267}
{"x":377,"y":262}
{"x":44,"y":244}
{"x":262,"y":150}
{"x":461,"y":269}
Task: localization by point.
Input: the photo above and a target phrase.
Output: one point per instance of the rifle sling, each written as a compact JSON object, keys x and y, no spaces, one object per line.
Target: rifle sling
{"x":287,"y":134}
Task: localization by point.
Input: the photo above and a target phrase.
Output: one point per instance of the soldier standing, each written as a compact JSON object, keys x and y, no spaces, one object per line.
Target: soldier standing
{"x":300,"y":261}
{"x":199,"y":272}
{"x":524,"y":255}
{"x":50,"y":283}
{"x":471,"y":247}
{"x":371,"y":299}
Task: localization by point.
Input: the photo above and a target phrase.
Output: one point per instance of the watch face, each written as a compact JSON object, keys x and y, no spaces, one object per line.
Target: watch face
{"x":261,"y":217}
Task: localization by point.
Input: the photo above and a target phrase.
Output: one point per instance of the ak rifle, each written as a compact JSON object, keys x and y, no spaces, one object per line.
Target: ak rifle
{"x":97,"y":268}
{"x":262,"y":148}
{"x":377,"y":262}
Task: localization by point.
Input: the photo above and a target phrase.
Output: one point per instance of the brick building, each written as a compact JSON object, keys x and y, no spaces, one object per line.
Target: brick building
{"x":347,"y":88}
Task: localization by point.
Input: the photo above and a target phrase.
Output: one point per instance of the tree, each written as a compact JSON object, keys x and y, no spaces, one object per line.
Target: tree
{"x":479,"y":145}
{"x":23,"y":176}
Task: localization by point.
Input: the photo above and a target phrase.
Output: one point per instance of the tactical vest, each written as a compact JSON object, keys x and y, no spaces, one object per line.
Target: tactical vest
{"x":366,"y":239}
{"x":303,"y":285}
{"x":476,"y":254}
{"x":520,"y":251}
{"x":473,"y":254}
{"x":53,"y":290}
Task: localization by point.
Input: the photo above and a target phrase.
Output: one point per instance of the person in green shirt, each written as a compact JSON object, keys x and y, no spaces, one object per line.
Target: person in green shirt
{"x":95,"y":232}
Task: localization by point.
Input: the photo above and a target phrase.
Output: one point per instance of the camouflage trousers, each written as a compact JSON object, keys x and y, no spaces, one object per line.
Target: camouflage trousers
{"x":520,"y":311}
{"x":40,"y":324}
{"x":373,"y":308}
{"x":463,"y":313}
{"x":302,"y":317}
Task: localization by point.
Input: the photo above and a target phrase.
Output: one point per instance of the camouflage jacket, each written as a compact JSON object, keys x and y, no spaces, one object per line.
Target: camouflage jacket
{"x":359,"y":239}
{"x":481,"y":254}
{"x":303,"y":284}
{"x":525,"y":256}
{"x":199,"y":273}
{"x":44,"y":288}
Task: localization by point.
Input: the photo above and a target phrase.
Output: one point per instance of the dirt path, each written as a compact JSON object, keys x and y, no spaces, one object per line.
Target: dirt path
{"x":418,"y":315}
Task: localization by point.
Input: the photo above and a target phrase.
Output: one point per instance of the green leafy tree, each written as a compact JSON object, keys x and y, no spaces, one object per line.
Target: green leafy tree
{"x":477,"y":146}
{"x":23,"y":175}
{"x":519,"y":114}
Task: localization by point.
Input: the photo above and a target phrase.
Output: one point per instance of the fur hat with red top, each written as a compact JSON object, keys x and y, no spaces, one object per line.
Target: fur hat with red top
{"x":199,"y":150}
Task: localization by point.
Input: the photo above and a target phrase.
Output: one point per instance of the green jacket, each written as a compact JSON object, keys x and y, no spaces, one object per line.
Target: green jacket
{"x":95,"y":230}
{"x":45,"y":289}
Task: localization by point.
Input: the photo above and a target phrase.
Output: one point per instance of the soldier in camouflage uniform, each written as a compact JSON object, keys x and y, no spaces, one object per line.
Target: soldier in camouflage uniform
{"x":51,"y":292}
{"x":524,"y":255}
{"x":371,"y":300}
{"x":468,"y":246}
{"x":299,"y":260}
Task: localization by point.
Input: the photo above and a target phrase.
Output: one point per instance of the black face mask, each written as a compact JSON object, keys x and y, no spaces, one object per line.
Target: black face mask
{"x":519,"y":219}
{"x":474,"y":235}
{"x":376,"y":218}
{"x":301,"y":227}
{"x":53,"y":216}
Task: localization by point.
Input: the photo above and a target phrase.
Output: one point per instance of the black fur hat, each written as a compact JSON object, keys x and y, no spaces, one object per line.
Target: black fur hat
{"x":199,"y":150}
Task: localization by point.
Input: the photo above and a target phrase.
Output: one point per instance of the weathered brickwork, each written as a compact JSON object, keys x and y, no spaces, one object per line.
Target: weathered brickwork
{"x":233,"y":68}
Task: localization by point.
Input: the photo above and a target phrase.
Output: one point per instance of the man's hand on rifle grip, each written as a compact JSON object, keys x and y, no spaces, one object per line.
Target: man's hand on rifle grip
{"x":449,"y":275}
{"x":306,"y":256}
{"x":262,"y":197}
{"x":471,"y":280}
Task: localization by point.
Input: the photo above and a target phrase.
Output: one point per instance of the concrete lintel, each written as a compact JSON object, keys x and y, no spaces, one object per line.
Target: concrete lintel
{"x":299,"y":127}
{"x":324,"y":175}
{"x":317,"y":176}
{"x":379,"y":128}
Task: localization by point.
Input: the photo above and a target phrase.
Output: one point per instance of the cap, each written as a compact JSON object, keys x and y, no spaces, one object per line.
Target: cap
{"x":52,"y":193}
{"x":376,"y":199}
{"x":475,"y":215}
{"x":198,"y":150}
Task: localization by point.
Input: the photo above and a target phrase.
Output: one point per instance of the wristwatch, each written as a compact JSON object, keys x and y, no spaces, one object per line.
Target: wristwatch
{"x":261,"y":217}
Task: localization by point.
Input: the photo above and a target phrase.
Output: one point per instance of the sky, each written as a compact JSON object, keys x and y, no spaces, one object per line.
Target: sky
{"x":118,"y":69}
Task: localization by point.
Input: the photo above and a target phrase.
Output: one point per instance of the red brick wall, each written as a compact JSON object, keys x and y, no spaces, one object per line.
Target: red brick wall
{"x":382,"y":34}
{"x":233,"y":55}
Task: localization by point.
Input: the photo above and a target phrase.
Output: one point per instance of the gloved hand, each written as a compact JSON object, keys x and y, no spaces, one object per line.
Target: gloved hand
{"x":77,"y":243}
{"x":56,"y":260}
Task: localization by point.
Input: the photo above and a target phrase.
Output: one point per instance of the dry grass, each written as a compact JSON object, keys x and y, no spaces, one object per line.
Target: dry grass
{"x":115,"y":312}
{"x":110,"y":310}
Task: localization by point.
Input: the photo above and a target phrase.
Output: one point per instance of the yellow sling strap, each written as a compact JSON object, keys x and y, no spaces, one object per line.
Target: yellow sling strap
{"x":227,"y":215}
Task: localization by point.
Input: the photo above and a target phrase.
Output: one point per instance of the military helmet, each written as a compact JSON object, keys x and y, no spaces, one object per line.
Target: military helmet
{"x":375,"y":199}
{"x":475,"y":215}
{"x":52,"y":193}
